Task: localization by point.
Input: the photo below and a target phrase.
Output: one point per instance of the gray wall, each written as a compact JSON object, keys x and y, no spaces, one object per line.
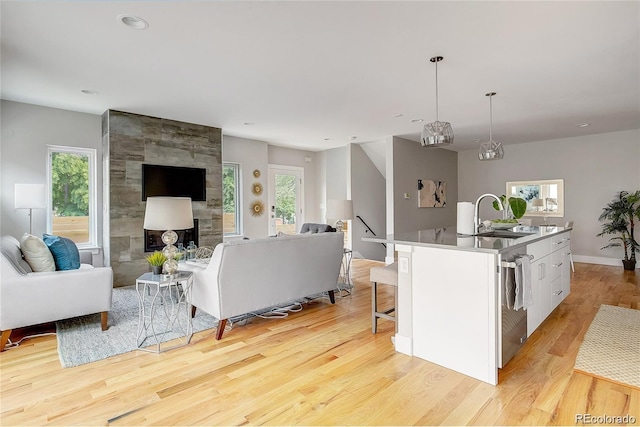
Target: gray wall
{"x":131,"y":140}
{"x":337,"y":164}
{"x":292,"y":157}
{"x":26,"y":131}
{"x":368,"y":195}
{"x":594,"y":168}
{"x":411,"y":162}
{"x":251,"y":155}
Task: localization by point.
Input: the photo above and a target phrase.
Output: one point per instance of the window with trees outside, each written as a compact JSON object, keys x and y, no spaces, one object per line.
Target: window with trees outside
{"x":231,"y":220}
{"x":72,"y":192}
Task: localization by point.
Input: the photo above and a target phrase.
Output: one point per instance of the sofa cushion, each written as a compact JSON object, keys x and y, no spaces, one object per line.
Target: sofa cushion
{"x":37,"y":253}
{"x":309,"y":227}
{"x":10,"y":248}
{"x":65,"y":252}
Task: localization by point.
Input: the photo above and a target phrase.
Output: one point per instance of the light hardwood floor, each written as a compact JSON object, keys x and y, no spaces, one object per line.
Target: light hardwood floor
{"x":323,"y":366}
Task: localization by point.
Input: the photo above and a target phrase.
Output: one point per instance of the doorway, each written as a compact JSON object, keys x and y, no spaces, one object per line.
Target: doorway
{"x":286,"y":199}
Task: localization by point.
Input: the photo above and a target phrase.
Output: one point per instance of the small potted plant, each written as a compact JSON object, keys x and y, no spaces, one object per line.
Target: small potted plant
{"x":618,"y":218}
{"x":156,"y":259}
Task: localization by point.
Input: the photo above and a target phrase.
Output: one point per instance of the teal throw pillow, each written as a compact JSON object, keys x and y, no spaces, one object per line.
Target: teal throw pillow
{"x":65,"y":252}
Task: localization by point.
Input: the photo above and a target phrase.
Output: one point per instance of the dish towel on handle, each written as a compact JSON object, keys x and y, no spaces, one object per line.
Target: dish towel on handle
{"x":524,"y":294}
{"x":509,"y":281}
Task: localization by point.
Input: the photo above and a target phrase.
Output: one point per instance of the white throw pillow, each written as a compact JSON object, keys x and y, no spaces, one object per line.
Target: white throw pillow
{"x":37,"y":253}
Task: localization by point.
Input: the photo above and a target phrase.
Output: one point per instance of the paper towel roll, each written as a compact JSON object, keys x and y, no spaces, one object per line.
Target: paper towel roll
{"x":465,"y":218}
{"x":465,"y":242}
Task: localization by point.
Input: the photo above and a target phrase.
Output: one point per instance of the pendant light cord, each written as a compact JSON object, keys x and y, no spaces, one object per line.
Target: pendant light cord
{"x":490,"y":118}
{"x":437,"y":112}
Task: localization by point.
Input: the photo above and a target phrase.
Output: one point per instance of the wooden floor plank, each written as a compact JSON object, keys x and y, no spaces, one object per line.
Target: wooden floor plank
{"x":323,"y":366}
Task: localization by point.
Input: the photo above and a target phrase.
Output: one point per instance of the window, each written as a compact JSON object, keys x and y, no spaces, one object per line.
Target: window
{"x":72,"y":196}
{"x":231,"y":219}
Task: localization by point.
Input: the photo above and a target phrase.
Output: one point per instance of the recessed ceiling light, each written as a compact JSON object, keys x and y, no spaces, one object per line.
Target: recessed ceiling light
{"x":90,"y":92}
{"x":583,"y":125}
{"x":417,"y":120}
{"x":353,"y":137}
{"x":249,"y":123}
{"x":134,"y":22}
{"x":475,"y":140}
{"x":327,"y":139}
{"x":398,"y":115}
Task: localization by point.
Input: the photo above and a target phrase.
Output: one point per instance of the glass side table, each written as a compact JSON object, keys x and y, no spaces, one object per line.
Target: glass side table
{"x":344,"y":279}
{"x":164,"y":311}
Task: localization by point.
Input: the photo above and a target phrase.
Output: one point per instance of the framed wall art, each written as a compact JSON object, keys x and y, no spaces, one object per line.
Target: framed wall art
{"x":432,"y":194}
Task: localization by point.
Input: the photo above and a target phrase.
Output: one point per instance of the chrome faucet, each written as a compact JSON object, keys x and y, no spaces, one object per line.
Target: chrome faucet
{"x":476,"y":211}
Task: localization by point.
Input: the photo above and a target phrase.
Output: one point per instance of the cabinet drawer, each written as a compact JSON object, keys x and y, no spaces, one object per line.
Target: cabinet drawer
{"x":555,"y":264}
{"x":557,"y":293}
{"x":539,"y":249}
{"x":560,"y":241}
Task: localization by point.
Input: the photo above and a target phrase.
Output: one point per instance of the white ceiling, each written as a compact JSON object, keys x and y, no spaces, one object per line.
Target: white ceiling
{"x":302,"y":71}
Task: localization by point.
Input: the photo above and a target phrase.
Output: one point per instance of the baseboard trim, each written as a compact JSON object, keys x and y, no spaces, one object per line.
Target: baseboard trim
{"x":403,"y":344}
{"x":600,"y":260}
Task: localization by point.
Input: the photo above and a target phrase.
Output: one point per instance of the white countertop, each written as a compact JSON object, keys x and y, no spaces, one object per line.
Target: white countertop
{"x":447,"y":238}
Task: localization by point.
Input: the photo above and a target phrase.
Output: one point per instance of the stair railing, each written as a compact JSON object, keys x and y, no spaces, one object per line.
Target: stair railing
{"x":368,"y":229}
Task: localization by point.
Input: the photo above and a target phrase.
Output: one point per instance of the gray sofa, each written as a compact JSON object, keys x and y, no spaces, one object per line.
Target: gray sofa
{"x":28,"y":298}
{"x":243,"y":276}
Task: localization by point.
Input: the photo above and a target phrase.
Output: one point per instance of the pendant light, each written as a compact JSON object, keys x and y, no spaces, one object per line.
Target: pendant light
{"x":437,"y":134}
{"x":491,"y":150}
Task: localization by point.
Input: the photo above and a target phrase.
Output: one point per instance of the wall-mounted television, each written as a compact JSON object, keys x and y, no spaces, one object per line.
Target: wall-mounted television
{"x":174,"y":181}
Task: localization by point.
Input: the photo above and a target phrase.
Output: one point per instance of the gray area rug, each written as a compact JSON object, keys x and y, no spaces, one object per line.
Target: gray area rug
{"x":81,"y":339}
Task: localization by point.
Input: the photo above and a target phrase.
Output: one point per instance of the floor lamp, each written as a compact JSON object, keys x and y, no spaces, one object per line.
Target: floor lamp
{"x":30,"y":196}
{"x":168,"y":213}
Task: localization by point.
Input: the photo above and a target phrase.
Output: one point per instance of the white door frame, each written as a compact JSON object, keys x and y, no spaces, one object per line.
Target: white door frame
{"x":293,"y":170}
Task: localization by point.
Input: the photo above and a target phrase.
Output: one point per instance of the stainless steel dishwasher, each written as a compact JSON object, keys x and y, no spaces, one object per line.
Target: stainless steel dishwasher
{"x":513,"y":323}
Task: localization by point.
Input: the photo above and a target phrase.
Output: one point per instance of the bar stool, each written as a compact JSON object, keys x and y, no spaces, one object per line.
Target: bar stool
{"x":570,"y":224}
{"x":387,"y":275}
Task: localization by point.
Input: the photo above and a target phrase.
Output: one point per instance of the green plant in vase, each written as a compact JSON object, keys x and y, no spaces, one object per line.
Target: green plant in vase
{"x":514,"y":209}
{"x":157,"y":260}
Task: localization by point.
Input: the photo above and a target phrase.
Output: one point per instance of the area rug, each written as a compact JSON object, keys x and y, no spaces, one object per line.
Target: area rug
{"x":611,"y":346}
{"x":81,"y":339}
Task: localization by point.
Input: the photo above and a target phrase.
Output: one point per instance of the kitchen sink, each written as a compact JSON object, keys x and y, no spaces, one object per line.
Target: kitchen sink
{"x":504,"y":234}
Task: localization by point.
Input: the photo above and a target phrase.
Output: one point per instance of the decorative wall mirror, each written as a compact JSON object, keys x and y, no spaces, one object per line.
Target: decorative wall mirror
{"x":544,"y":198}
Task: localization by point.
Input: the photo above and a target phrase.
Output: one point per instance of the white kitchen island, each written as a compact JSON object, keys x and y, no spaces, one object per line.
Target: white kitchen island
{"x":449,"y":295}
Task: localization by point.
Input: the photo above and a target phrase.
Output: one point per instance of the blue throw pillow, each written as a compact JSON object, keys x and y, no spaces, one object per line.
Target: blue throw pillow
{"x":65,"y":252}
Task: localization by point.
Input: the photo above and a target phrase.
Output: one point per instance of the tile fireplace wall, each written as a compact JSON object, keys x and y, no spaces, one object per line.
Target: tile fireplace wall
{"x":129,"y":140}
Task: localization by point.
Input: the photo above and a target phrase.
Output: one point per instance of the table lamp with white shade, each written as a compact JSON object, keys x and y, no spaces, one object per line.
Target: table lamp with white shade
{"x":168,"y":213}
{"x":30,"y":196}
{"x":537,"y":203}
{"x":339,"y":210}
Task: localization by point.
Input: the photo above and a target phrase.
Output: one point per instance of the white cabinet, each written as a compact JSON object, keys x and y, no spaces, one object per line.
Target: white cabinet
{"x":566,"y":267}
{"x":550,"y":278}
{"x":540,"y":284}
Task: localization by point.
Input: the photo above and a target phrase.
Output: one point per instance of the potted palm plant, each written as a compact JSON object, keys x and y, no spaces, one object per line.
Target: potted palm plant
{"x":618,"y":218}
{"x":156,"y":259}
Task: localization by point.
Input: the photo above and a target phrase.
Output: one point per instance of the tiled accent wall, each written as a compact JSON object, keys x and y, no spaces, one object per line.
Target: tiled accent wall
{"x":129,"y":140}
